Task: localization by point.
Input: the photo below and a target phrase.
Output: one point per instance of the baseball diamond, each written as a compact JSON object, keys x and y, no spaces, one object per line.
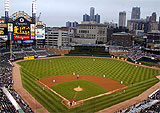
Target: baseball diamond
{"x":98,"y":91}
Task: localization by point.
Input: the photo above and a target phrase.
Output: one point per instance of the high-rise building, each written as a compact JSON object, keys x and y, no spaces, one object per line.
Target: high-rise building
{"x":97,"y":18}
{"x":92,"y":14}
{"x":74,"y":24}
{"x":86,"y":17}
{"x":135,"y":13}
{"x":68,"y":24}
{"x":154,"y":17}
{"x":71,"y":24}
{"x":122,"y":19}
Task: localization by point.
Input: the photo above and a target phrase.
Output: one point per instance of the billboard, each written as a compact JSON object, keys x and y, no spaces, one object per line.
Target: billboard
{"x":21,"y":29}
{"x":10,"y":27}
{"x":3,"y":31}
{"x":40,"y":33}
{"x":29,"y":58}
{"x":10,"y":36}
{"x":32,"y":26}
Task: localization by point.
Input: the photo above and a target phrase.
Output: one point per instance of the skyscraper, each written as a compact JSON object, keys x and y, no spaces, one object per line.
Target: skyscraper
{"x":122,"y":19}
{"x":86,"y":17}
{"x":97,"y":18}
{"x":154,"y":17}
{"x":68,"y":24}
{"x":136,"y":13}
{"x":71,"y":24}
{"x":92,"y":14}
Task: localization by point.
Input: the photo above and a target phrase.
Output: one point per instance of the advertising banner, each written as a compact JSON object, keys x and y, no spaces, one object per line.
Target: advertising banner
{"x":10,"y":27}
{"x":32,"y":26}
{"x":3,"y":25}
{"x":3,"y":31}
{"x":10,"y":36}
{"x":40,"y":33}
{"x":28,"y":41}
{"x":29,"y":58}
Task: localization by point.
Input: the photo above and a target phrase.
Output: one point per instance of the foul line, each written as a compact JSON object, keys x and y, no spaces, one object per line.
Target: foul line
{"x":108,"y":93}
{"x":53,"y":91}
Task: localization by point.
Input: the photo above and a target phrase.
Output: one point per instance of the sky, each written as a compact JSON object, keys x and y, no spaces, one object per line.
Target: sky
{"x":57,"y":12}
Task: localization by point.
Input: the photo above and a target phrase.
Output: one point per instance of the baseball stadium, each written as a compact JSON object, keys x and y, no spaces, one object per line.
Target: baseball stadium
{"x":83,"y":83}
{"x":67,"y":70}
{"x":56,"y":80}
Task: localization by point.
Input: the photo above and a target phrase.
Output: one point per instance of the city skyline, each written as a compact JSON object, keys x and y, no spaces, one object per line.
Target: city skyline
{"x":56,"y":13}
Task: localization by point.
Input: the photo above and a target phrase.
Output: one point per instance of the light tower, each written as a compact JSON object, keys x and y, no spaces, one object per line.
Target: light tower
{"x":6,"y":5}
{"x":34,"y":10}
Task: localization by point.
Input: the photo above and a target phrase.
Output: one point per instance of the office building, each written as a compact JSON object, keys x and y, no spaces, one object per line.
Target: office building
{"x":91,"y":32}
{"x":139,"y":24}
{"x":71,"y":24}
{"x":97,"y":18}
{"x":154,"y":17}
{"x":122,"y":39}
{"x":86,"y":17}
{"x":122,"y":19}
{"x":68,"y":24}
{"x":59,"y":36}
{"x":92,"y":14}
{"x":135,"y":13}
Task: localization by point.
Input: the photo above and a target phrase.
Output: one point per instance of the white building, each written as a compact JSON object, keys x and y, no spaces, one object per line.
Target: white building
{"x":59,"y":36}
{"x":92,"y":32}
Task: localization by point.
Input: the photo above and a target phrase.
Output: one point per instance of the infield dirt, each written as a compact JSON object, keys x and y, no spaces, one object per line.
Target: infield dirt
{"x":107,"y":83}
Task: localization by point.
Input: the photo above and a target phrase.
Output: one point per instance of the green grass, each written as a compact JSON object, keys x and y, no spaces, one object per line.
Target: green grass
{"x":143,"y":78}
{"x":149,"y":63}
{"x":89,"y":89}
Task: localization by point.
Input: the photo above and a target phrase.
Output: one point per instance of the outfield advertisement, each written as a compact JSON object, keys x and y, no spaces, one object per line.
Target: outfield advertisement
{"x":42,"y":56}
{"x":120,"y":58}
{"x":29,"y":58}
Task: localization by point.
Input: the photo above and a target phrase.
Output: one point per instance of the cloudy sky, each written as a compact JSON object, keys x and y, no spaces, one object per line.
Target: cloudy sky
{"x":57,"y":12}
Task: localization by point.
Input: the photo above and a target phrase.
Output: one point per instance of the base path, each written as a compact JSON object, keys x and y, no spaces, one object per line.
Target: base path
{"x":107,"y":83}
{"x":17,"y":85}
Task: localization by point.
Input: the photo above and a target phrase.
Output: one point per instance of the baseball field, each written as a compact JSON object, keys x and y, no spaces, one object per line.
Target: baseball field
{"x":50,"y":81}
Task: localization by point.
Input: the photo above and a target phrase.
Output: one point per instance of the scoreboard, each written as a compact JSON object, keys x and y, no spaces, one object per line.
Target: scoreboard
{"x":21,"y":29}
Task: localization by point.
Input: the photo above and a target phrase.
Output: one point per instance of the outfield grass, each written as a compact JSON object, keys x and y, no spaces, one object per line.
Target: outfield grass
{"x":143,"y":78}
{"x":89,"y":89}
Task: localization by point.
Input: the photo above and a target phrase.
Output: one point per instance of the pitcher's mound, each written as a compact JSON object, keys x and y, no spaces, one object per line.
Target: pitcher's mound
{"x":78,"y":89}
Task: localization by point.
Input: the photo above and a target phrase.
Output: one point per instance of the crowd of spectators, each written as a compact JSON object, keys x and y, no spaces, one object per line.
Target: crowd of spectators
{"x":21,"y":53}
{"x":6,"y":81}
{"x":136,"y":54}
{"x":152,"y":103}
{"x":5,"y":105}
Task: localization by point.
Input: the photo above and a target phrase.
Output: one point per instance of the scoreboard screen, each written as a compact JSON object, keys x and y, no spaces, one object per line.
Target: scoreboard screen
{"x":21,"y":29}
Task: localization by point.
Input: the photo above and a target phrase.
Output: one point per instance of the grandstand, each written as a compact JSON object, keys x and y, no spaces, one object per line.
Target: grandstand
{"x":151,"y":104}
{"x":11,"y":101}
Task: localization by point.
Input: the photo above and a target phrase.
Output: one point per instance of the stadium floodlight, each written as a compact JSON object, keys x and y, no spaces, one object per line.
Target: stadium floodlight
{"x":6,"y":4}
